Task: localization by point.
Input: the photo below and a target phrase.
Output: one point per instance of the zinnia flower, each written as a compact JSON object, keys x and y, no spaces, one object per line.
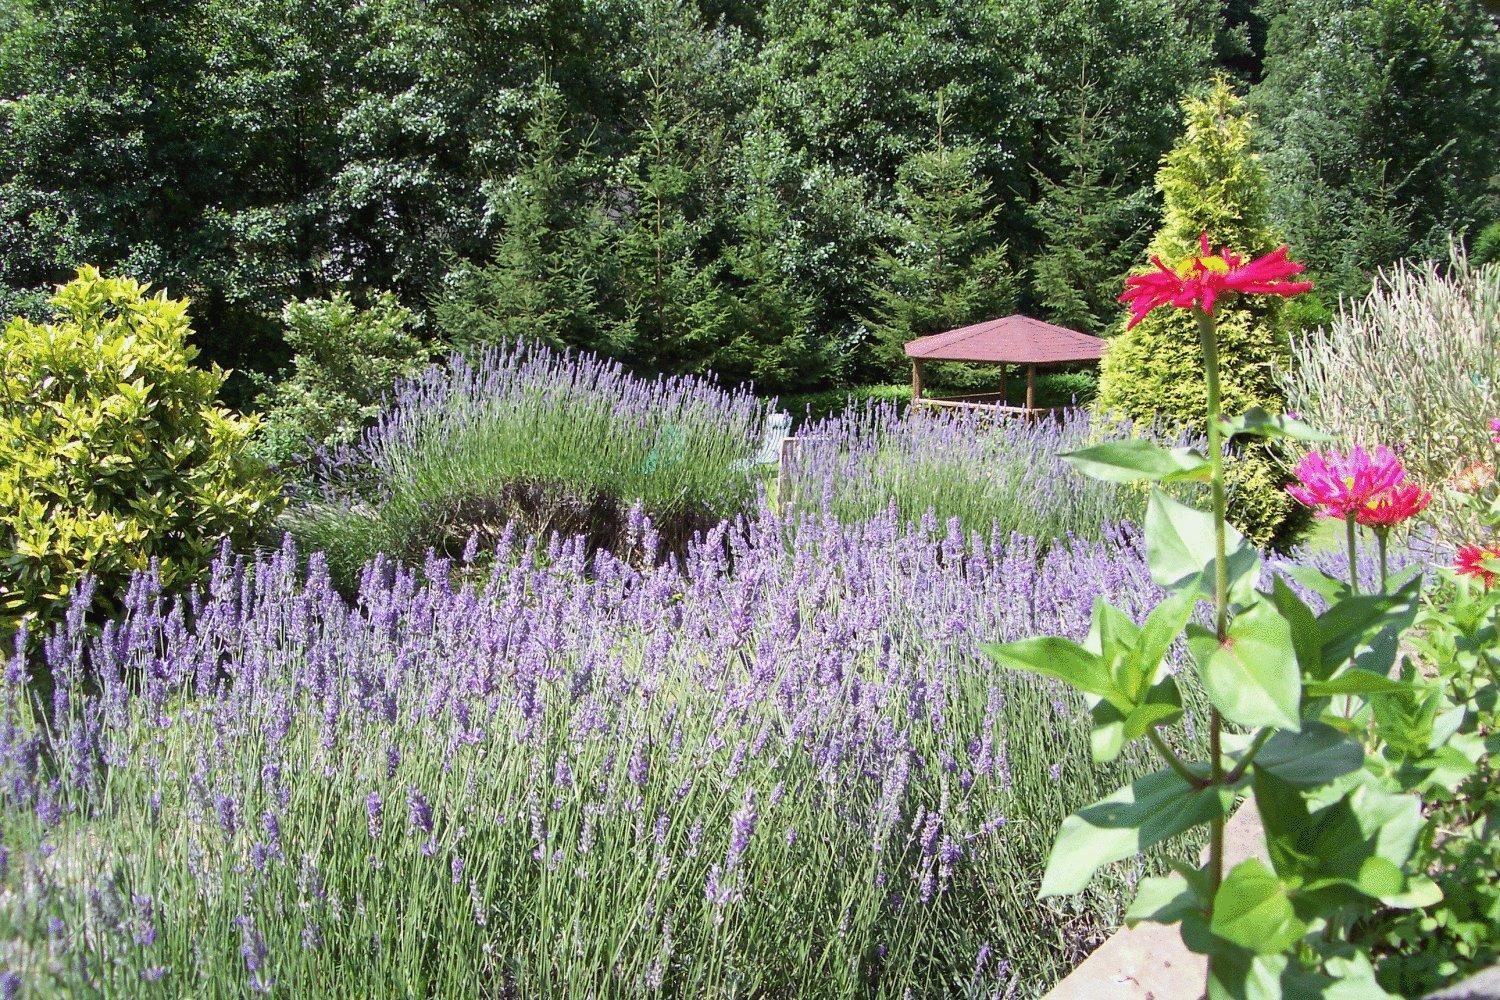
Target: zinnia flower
{"x":1339,"y":485}
{"x":1471,"y":560}
{"x":1394,"y":506}
{"x":1200,"y":280}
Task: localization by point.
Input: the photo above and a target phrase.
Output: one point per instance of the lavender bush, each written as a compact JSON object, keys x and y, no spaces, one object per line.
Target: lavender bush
{"x":994,"y":476}
{"x":560,"y":441}
{"x":764,"y":769}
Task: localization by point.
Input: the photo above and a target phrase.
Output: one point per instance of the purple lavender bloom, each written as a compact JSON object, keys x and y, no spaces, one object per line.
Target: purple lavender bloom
{"x":374,"y":810}
{"x":419,"y":810}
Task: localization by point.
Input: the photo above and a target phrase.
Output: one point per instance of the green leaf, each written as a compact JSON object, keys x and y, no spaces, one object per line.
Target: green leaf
{"x":1180,"y":549}
{"x":1258,"y":422}
{"x":1062,"y":659}
{"x":1310,"y":758}
{"x":1329,"y":588}
{"x":1163,"y":900}
{"x":1135,"y":459}
{"x":1355,"y":680}
{"x":1114,"y":729}
{"x":1365,"y":627}
{"x":1253,"y":911}
{"x":1303,"y":622}
{"x":1146,"y":812}
{"x":1251,"y":677}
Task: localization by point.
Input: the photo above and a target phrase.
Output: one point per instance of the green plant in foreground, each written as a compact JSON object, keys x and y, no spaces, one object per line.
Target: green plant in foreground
{"x":1306,"y":716}
{"x":113,"y":452}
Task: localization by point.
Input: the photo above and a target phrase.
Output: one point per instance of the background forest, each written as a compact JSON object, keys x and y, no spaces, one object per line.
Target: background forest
{"x":771,"y":190}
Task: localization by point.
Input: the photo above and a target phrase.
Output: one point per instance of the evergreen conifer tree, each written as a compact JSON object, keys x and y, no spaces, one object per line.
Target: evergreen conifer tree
{"x":672,"y":300}
{"x":765,"y":331}
{"x":947,"y":267}
{"x":1092,"y":230}
{"x":546,"y":279}
{"x":1211,"y":182}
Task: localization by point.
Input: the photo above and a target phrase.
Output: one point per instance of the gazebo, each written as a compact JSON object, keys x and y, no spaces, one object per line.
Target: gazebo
{"x":1013,"y":340}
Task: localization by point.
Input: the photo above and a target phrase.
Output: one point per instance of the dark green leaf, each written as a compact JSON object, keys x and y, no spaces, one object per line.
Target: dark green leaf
{"x":1315,"y":756}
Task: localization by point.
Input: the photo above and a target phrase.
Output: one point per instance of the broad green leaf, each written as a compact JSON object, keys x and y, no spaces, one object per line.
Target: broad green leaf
{"x":1160,"y":630}
{"x":1180,"y":549}
{"x":1252,"y":910}
{"x":1062,"y":659}
{"x":1251,"y":677}
{"x":1365,"y":628}
{"x":1163,"y":900}
{"x":1315,"y":756}
{"x":1135,"y":459}
{"x":1303,"y":623}
{"x":1258,"y":422}
{"x":1150,"y":810}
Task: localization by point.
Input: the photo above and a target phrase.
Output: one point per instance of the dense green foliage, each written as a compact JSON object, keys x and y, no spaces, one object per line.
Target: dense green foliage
{"x":689,"y":186}
{"x":113,"y":453}
{"x":1381,"y":129}
{"x":345,"y":363}
{"x":1211,"y":183}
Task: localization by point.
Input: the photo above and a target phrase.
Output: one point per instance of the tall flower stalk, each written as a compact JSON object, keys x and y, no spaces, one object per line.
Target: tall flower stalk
{"x":1270,"y":666}
{"x":1198,"y":285}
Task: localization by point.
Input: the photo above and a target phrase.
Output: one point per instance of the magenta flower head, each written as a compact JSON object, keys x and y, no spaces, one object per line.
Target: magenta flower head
{"x":1199,"y":281}
{"x":1495,"y":430}
{"x":1341,"y":485}
{"x":1388,"y":509}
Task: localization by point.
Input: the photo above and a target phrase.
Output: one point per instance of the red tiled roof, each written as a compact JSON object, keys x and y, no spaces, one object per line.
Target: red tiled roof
{"x":1017,"y":340}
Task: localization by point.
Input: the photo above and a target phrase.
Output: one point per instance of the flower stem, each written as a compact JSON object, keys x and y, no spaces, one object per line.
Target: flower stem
{"x":1382,"y":535}
{"x":1353,"y":554}
{"x":1208,"y":338}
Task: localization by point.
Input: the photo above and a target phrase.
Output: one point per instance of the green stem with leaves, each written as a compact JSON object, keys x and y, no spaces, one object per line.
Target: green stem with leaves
{"x":1208,"y":337}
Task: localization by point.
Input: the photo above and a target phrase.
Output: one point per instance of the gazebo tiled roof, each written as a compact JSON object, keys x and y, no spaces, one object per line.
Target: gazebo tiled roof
{"x":1016,"y":340}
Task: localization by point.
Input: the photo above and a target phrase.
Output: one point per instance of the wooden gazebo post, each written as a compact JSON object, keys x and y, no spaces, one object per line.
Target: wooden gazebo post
{"x":1031,"y":387}
{"x":916,"y":380}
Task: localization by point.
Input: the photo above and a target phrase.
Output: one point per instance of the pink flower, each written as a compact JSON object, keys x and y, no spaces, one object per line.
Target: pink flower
{"x":1495,"y":427}
{"x":1394,"y":506}
{"x":1471,"y":560}
{"x":1200,"y":280}
{"x":1339,"y":485}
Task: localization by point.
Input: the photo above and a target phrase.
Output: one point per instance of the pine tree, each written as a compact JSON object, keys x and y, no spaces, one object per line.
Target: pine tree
{"x":767,"y":312}
{"x":673,"y":304}
{"x":545,"y":277}
{"x":1092,"y":230}
{"x":947,"y":268}
{"x":1211,"y":182}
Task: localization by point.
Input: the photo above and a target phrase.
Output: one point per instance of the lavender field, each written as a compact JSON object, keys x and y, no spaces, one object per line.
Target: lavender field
{"x":774,"y":767}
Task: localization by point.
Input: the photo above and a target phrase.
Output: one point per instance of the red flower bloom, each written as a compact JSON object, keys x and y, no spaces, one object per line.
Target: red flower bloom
{"x":1471,"y":559}
{"x":1202,"y":279}
{"x":1339,"y":485}
{"x":1394,"y":506}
